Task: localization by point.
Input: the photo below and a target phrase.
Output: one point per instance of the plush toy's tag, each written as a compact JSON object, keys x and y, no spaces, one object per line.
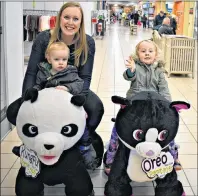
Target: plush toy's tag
{"x":160,"y":166}
{"x":29,"y":161}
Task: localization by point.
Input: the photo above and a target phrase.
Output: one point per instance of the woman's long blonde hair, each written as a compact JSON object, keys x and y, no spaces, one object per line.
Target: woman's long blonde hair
{"x":81,"y":49}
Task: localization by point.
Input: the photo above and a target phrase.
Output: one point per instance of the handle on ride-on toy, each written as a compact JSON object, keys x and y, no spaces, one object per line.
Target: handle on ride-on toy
{"x":113,"y":119}
{"x":16,"y":150}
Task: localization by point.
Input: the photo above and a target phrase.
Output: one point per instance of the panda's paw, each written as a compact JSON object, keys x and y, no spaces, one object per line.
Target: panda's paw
{"x":118,"y":188}
{"x":41,"y":194}
{"x":92,"y":193}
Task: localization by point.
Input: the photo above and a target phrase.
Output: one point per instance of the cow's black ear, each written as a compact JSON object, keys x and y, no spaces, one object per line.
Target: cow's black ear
{"x":120,"y":100}
{"x":78,"y":100}
{"x":12,"y":111}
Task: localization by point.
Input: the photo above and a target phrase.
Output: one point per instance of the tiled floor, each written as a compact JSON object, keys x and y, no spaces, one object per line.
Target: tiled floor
{"x":107,"y":81}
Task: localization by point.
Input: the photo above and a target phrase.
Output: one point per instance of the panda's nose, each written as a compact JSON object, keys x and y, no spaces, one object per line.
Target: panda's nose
{"x":48,"y":146}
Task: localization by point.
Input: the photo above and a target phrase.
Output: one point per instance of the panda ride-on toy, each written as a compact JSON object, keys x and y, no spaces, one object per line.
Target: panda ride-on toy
{"x":50,"y":123}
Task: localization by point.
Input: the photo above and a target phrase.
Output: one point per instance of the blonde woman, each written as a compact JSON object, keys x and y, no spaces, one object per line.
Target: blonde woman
{"x":70,"y":29}
{"x":145,"y":72}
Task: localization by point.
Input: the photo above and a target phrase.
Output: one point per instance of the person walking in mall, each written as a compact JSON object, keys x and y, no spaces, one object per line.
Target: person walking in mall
{"x":136,"y":18}
{"x":166,"y":28}
{"x":158,"y":20}
{"x":70,"y":29}
{"x":144,"y":19}
{"x":173,"y":22}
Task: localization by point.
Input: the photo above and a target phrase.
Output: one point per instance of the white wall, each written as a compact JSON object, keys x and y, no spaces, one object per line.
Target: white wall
{"x":87,"y":8}
{"x":55,"y":6}
{"x":13,"y":32}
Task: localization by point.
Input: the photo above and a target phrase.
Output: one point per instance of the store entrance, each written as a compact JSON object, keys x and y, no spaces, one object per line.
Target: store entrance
{"x":5,"y":125}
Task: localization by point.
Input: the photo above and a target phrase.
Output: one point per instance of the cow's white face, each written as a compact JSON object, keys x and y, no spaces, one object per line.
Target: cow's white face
{"x":51,"y":124}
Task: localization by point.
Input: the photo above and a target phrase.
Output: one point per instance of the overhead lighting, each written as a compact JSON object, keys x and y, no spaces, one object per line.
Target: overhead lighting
{"x":115,"y":4}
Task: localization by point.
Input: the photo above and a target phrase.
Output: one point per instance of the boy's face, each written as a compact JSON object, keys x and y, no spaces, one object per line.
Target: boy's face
{"x":58,"y":59}
{"x":147,"y":53}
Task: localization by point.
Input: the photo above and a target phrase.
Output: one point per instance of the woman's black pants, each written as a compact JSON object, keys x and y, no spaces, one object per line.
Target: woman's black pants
{"x":95,"y":110}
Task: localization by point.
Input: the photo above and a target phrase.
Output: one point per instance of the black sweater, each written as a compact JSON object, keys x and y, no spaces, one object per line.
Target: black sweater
{"x":165,"y":29}
{"x":38,"y":55}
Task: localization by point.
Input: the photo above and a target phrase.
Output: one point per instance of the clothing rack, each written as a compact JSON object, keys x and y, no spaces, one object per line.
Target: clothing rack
{"x":40,"y":12}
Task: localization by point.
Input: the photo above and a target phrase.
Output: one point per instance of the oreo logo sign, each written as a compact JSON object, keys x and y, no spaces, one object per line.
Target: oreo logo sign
{"x":159,"y":166}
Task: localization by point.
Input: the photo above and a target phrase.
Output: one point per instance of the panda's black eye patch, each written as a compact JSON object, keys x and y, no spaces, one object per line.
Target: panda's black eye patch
{"x":69,"y":130}
{"x":30,"y":130}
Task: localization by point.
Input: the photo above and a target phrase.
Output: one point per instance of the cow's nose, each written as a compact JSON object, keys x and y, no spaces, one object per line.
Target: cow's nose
{"x":48,"y":146}
{"x":150,"y":153}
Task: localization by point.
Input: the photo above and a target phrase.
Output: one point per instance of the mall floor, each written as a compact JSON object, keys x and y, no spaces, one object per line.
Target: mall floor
{"x":111,"y":51}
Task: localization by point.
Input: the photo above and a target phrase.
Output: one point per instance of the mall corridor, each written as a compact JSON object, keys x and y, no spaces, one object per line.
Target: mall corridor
{"x":111,"y":51}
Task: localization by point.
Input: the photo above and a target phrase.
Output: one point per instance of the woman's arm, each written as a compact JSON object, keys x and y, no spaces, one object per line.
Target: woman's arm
{"x":37,"y":55}
{"x":85,"y":71}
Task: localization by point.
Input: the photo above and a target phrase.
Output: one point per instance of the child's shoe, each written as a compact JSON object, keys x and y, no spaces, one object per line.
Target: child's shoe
{"x":177,"y":165}
{"x":107,"y":169}
{"x":89,"y":156}
{"x":174,"y":152}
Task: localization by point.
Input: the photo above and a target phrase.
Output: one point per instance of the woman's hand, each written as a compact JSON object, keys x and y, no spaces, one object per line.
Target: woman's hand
{"x":62,"y":88}
{"x":130,"y":64}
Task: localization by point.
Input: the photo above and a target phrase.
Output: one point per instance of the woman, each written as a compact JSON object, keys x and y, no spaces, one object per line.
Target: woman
{"x":71,"y":30}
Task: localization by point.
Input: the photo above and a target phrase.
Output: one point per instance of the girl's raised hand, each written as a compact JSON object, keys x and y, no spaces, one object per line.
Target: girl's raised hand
{"x":130,"y":64}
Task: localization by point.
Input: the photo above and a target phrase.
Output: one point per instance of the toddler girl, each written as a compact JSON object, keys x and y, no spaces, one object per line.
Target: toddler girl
{"x":145,"y":72}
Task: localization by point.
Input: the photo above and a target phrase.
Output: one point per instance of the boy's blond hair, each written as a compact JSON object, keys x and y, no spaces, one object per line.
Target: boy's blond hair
{"x":56,"y":46}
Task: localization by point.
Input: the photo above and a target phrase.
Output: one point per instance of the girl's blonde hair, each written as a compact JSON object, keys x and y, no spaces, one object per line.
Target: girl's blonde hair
{"x":81,"y":48}
{"x":157,"y":50}
{"x":56,"y":46}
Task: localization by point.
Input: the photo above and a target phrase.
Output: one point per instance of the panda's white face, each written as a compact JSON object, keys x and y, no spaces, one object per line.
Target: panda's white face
{"x":51,"y":124}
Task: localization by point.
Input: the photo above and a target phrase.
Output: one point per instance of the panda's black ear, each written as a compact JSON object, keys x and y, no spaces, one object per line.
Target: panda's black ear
{"x":13,"y":110}
{"x":119,"y":100}
{"x":78,"y":100}
{"x":31,"y":94}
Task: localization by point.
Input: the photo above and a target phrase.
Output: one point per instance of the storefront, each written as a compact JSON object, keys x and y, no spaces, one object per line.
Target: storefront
{"x":159,"y":6}
{"x":186,"y":13}
{"x":178,"y":10}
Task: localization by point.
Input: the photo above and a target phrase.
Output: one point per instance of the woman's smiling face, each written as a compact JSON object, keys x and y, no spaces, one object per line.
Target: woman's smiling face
{"x":70,"y":21}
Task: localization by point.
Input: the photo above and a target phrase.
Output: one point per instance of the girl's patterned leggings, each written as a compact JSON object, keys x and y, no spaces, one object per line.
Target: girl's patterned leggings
{"x":113,"y":146}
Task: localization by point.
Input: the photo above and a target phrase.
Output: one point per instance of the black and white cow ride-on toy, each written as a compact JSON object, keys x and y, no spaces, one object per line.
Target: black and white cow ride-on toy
{"x":145,"y":126}
{"x":50,"y":123}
